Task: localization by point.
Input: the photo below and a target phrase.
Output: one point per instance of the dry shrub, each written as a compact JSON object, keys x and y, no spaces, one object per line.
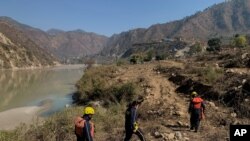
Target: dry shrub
{"x":211,"y":74}
{"x":216,"y":135}
{"x":110,"y":121}
{"x":89,"y":63}
{"x":58,"y":127}
{"x":97,"y":85}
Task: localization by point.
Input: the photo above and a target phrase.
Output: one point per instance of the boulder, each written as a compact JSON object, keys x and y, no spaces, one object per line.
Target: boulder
{"x":178,"y":135}
{"x":211,"y":104}
{"x":157,"y":134}
{"x":171,"y":136}
{"x":179,"y":113}
{"x":234,"y":115}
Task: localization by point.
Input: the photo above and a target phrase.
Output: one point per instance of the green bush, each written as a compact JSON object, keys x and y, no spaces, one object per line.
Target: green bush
{"x":115,"y":94}
{"x":239,"y":41}
{"x":214,"y":44}
{"x":126,"y":92}
{"x":160,"y":57}
{"x":136,"y":59}
{"x":149,"y":56}
{"x":94,"y":85}
{"x":196,"y":48}
{"x":211,"y":74}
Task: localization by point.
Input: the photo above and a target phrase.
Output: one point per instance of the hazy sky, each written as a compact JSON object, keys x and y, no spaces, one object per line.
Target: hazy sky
{"x":100,"y":16}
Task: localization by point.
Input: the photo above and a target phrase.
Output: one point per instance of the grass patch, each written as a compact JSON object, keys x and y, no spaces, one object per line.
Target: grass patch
{"x":97,"y":84}
{"x":60,"y":126}
{"x":211,"y":74}
{"x":57,"y":127}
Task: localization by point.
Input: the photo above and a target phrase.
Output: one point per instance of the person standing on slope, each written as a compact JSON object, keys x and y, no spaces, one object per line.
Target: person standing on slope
{"x":196,"y":109}
{"x":84,"y":128}
{"x":131,"y":125}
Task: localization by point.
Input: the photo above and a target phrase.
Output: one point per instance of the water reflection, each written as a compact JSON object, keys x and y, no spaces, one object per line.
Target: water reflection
{"x":30,"y":87}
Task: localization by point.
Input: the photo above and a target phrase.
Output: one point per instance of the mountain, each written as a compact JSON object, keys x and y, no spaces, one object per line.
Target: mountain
{"x":54,"y":32}
{"x":62,"y":44}
{"x":225,"y":19}
{"x":75,"y":43}
{"x":16,"y":50}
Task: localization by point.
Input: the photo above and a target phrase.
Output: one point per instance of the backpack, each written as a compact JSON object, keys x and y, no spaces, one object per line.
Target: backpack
{"x":79,"y":125}
{"x":197,"y":102}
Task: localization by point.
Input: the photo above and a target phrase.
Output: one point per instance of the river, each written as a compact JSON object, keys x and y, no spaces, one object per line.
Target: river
{"x":27,"y":88}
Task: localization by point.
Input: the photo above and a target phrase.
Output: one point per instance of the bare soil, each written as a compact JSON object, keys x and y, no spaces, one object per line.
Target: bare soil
{"x":165,"y":110}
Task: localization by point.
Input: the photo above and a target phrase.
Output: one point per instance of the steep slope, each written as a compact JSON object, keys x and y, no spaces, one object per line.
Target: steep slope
{"x":62,"y":44}
{"x":166,"y":87}
{"x":224,"y":19}
{"x":220,"y":20}
{"x":19,"y":51}
{"x":75,"y":43}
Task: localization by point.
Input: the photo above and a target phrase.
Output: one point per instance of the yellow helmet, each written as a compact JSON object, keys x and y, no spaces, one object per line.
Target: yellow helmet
{"x":194,"y":93}
{"x":89,"y":111}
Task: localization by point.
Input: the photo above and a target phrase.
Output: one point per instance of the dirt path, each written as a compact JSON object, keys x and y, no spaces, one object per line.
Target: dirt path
{"x":162,"y":96}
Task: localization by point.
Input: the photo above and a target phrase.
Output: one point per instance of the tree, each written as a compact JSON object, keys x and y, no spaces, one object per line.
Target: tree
{"x":160,"y":57}
{"x":149,"y":56}
{"x":196,"y":48}
{"x":214,"y":44}
{"x":135,"y":59}
{"x":240,"y":41}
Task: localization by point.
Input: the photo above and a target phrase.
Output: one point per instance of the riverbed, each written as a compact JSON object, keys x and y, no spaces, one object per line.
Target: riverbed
{"x":26,"y":95}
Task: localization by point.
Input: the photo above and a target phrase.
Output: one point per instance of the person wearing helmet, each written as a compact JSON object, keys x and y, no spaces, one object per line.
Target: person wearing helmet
{"x":84,"y":128}
{"x":196,"y":110}
{"x":131,"y":125}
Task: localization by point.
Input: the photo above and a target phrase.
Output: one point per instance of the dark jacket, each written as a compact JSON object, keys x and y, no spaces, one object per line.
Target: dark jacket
{"x":130,"y":117}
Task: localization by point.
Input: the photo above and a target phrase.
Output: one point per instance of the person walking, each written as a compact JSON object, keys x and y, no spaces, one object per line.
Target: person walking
{"x":84,"y":128}
{"x":196,"y":110}
{"x":131,"y":125}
